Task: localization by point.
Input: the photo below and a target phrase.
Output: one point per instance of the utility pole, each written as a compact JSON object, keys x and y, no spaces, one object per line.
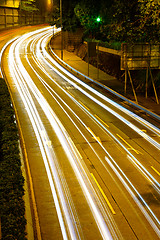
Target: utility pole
{"x":61,"y":29}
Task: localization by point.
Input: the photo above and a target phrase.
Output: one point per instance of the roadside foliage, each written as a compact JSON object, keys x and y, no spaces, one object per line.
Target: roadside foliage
{"x":12,"y":207}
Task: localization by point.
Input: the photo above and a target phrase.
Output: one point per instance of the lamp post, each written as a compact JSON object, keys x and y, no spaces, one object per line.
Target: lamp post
{"x":61,"y":29}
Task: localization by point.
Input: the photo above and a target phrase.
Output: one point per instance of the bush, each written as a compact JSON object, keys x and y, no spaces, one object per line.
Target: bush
{"x":112,"y":45}
{"x":12,"y":208}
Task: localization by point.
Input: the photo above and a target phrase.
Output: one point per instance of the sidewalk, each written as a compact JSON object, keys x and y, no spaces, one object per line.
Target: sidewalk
{"x":77,"y":63}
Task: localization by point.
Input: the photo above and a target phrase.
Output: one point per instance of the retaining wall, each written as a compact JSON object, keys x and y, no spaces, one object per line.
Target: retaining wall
{"x":12,"y":16}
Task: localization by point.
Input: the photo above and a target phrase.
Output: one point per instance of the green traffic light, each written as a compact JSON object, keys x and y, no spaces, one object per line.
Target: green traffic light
{"x":98,"y":19}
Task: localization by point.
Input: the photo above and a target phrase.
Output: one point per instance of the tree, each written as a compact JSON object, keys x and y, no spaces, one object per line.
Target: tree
{"x":87,"y":13}
{"x":69,"y":20}
{"x":125,"y":21}
{"x":121,"y":20}
{"x":106,"y":16}
{"x":150,"y":20}
{"x":29,"y":5}
{"x":135,"y":21}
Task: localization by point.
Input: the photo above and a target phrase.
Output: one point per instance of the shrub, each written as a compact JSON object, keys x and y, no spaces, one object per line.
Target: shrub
{"x":12,"y":208}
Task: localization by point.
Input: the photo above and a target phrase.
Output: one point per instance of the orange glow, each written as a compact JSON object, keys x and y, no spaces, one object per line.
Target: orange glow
{"x":49,"y":5}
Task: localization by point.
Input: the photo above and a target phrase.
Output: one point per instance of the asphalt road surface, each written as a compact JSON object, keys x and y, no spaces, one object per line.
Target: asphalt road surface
{"x":95,"y":165}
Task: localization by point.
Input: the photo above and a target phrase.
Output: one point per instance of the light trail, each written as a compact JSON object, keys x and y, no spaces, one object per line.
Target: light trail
{"x":127,"y":183}
{"x":137,"y":163}
{"x":69,"y":147}
{"x":47,"y":151}
{"x":145,"y":123}
{"x":2,"y":51}
{"x":75,"y":149}
{"x":131,"y":156}
{"x":149,"y":177}
{"x":134,"y":116}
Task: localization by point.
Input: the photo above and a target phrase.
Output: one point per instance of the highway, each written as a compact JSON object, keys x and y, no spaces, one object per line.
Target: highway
{"x":95,"y":165}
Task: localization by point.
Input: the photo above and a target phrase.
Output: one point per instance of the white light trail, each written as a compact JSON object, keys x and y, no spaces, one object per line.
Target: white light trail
{"x":144,"y":172}
{"x":25,"y":85}
{"x":51,"y":90}
{"x":47,"y":152}
{"x":136,"y":117}
{"x":126,"y":183}
{"x":148,"y":125}
{"x":149,"y":177}
{"x":66,"y":142}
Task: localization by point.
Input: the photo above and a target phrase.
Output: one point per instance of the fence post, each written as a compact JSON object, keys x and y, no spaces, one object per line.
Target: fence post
{"x":0,"y":229}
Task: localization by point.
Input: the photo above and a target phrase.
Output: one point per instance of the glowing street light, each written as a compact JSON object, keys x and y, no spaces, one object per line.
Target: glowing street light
{"x":49,"y":5}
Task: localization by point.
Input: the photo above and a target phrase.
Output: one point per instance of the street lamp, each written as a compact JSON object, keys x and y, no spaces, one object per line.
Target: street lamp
{"x":61,"y":29}
{"x":49,"y":5}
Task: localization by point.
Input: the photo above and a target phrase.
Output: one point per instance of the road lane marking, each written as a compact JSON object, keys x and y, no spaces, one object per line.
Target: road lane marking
{"x":144,"y":130}
{"x":94,"y":136}
{"x":103,"y":194}
{"x":84,"y":105}
{"x":71,"y":94}
{"x":101,"y":120}
{"x":155,"y":170}
{"x":128,"y":144}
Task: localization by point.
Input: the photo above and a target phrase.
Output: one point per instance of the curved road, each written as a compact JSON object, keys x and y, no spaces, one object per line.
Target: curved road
{"x":95,"y":166}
